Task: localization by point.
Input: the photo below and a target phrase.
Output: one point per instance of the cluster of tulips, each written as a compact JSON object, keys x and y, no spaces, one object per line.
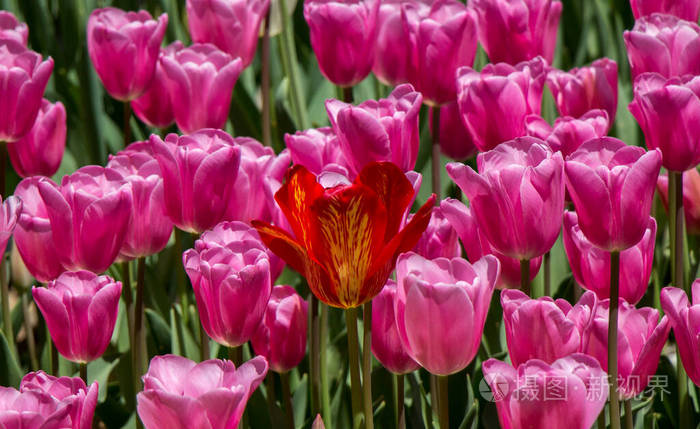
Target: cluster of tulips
{"x":334,"y":206}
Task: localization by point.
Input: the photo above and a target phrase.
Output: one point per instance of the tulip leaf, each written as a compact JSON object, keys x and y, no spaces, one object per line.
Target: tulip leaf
{"x":99,"y":370}
{"x":11,"y":374}
{"x":159,"y":331}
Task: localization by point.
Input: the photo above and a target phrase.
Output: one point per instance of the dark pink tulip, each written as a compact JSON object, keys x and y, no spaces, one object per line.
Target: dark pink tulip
{"x":612,"y":187}
{"x":441,"y":307}
{"x":39,"y":152}
{"x":343,"y":35}
{"x":685,"y":320}
{"x":668,"y":111}
{"x":684,"y":9}
{"x":315,"y":149}
{"x":150,"y":227}
{"x":691,"y":198}
{"x":154,"y":106}
{"x":12,"y":29}
{"x":232,"y":25}
{"x":439,"y":239}
{"x":517,"y":196}
{"x":73,"y":393}
{"x":378,"y":130}
{"x":582,"y":89}
{"x":525,"y":397}
{"x":454,"y":138}
{"x":80,"y":309}
{"x":10,"y":211}
{"x":124,"y":47}
{"x":640,"y":339}
{"x":33,"y":233}
{"x":386,"y":343}
{"x":281,"y":336}
{"x":200,"y":81}
{"x":663,"y":44}
{"x":591,"y":265}
{"x":199,"y":174}
{"x":477,"y":245}
{"x":89,"y":216}
{"x":181,"y":394}
{"x":514,"y":31}
{"x":495,"y":101}
{"x":569,"y":133}
{"x":394,"y":56}
{"x":23,"y":79}
{"x":230,"y":273}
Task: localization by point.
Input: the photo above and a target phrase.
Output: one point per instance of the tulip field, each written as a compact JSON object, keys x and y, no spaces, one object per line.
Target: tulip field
{"x":349,"y":214}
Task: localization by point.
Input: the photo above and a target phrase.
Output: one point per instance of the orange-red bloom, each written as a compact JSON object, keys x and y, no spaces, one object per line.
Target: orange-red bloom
{"x":347,"y":237}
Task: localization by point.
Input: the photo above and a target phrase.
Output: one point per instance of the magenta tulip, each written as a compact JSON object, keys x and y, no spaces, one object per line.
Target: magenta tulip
{"x":200,"y":81}
{"x":517,"y":196}
{"x":668,"y":111}
{"x":591,"y":265}
{"x":495,"y":101}
{"x":663,"y":44}
{"x":281,"y":336}
{"x":230,"y":273}
{"x":199,"y":174}
{"x":640,"y":339}
{"x":232,"y":25}
{"x":10,"y":211}
{"x":343,"y":35}
{"x":315,"y":149}
{"x":691,"y":198}
{"x":23,"y":78}
{"x":582,"y":89}
{"x":453,"y":137}
{"x":477,"y":245}
{"x":684,"y":9}
{"x":378,"y":130}
{"x":124,"y":47}
{"x":571,"y":392}
{"x":612,"y":187}
{"x":569,"y":133}
{"x":154,"y":106}
{"x":441,"y":307}
{"x":39,"y":152}
{"x":80,"y":309}
{"x":181,"y":394}
{"x":685,"y":320}
{"x":12,"y":29}
{"x":439,"y":240}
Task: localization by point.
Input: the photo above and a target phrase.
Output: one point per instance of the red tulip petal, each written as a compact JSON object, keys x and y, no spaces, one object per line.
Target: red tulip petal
{"x":299,"y":191}
{"x":283,"y":245}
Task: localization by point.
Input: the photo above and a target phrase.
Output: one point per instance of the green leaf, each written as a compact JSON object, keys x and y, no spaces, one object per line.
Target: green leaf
{"x":11,"y":373}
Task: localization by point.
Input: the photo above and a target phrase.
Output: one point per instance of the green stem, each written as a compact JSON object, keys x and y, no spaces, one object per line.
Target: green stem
{"x":287,"y":393}
{"x":435,"y":158}
{"x":83,"y":373}
{"x":6,"y":310}
{"x":265,"y":82}
{"x":367,"y":365}
{"x":181,"y":276}
{"x":629,"y":417}
{"x":270,"y":393}
{"x":314,"y":355}
{"x":400,"y":413}
{"x":235,"y":354}
{"x":325,"y":390}
{"x":547,"y":274}
{"x":289,"y":62}
{"x":525,"y":276}
{"x":139,"y":337}
{"x":127,"y":125}
{"x":601,"y":420}
{"x":347,"y":94}
{"x":31,"y":344}
{"x":612,"y":338}
{"x":354,"y":362}
{"x":434,"y":400}
{"x":54,"y":354}
{"x":443,"y":403}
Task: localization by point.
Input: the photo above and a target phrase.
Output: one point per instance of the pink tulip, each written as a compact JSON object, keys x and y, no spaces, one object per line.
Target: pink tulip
{"x":200,"y":81}
{"x":663,"y":44}
{"x":89,"y":214}
{"x":495,"y":101}
{"x":33,"y":233}
{"x":230,"y":273}
{"x":315,"y":149}
{"x":199,"y":174}
{"x":232,"y":25}
{"x":150,"y":227}
{"x":124,"y":47}
{"x":393,"y":55}
{"x":39,"y":152}
{"x":582,"y":89}
{"x":318,"y":423}
{"x":181,"y":394}
{"x":640,"y":339}
{"x":571,"y":392}
{"x":477,"y":245}
{"x":12,"y":29}
{"x":343,"y":35}
{"x":281,"y":336}
{"x":23,"y":79}
{"x":691,"y":198}
{"x":154,"y":107}
{"x":79,"y":398}
{"x":591,"y":265}
{"x":439,"y":239}
{"x":558,"y":326}
{"x":517,"y":196}
{"x":10,"y":211}
{"x":441,"y":307}
{"x":454,"y":138}
{"x":378,"y":130}
{"x":569,"y":133}
{"x":684,"y":316}
{"x":515,"y":31}
{"x":80,"y":309}
{"x":612,"y":187}
{"x":668,"y":111}
{"x":684,"y":9}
